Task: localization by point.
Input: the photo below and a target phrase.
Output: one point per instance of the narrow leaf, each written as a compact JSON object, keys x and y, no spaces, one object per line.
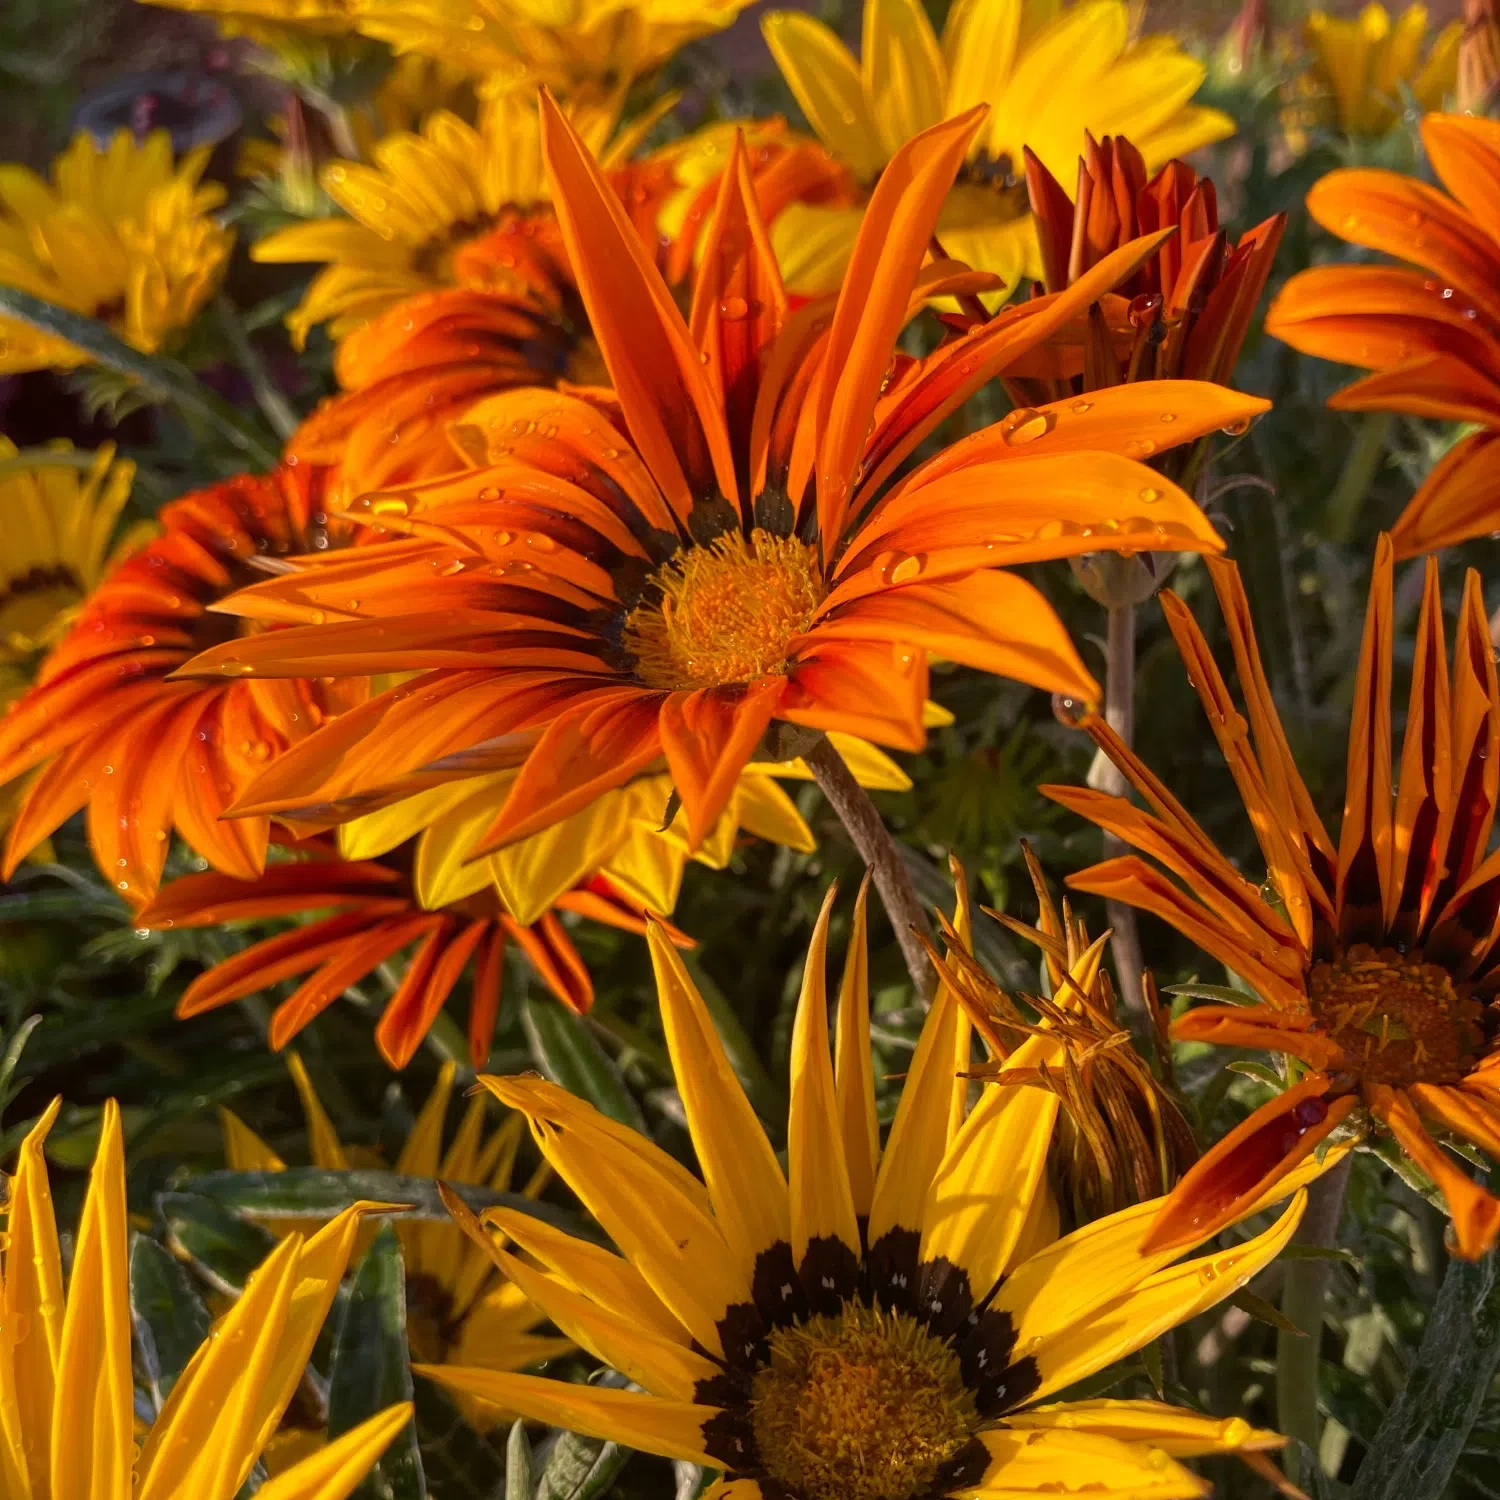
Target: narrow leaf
{"x":566,"y":1051}
{"x":169,"y":1316}
{"x":371,"y":1369}
{"x":518,"y":1479}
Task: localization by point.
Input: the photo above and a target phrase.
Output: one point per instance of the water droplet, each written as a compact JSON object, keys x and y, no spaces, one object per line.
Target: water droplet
{"x":389,"y":505}
{"x":1079,"y":407}
{"x":1025,"y":425}
{"x":1069,"y":711}
{"x":733,"y":309}
{"x":1149,"y":496}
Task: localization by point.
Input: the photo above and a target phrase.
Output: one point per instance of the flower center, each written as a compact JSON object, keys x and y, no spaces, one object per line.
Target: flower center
{"x":724,"y":613}
{"x":863,"y":1405}
{"x":1399,"y":1021}
{"x":429,"y":1319}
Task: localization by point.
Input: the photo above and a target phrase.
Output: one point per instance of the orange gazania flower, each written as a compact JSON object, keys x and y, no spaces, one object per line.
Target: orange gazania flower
{"x":374,"y":915}
{"x":1184,"y":314}
{"x":1377,"y":961}
{"x":143,"y":753}
{"x":664,"y":572}
{"x":1430,"y":331}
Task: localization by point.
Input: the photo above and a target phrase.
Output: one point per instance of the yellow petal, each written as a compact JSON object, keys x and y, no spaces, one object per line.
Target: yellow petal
{"x":745,"y":1181}
{"x":822,"y":1205}
{"x":602,"y":1276}
{"x":673,"y":1429}
{"x":334,"y":1471}
{"x":854,"y":1066}
{"x":979,"y":47}
{"x":244,"y":1151}
{"x":33,"y":1300}
{"x":813,"y":243}
{"x":1162,"y":1301}
{"x":762,"y":808}
{"x":1173,"y":1429}
{"x":902,"y":71}
{"x":93,"y":1438}
{"x":674,"y":1244}
{"x":322,"y":1139}
{"x":822,"y":74}
{"x":1029,"y":1463}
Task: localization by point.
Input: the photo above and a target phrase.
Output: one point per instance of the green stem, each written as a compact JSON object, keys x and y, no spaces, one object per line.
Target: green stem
{"x":1360,"y":469}
{"x":168,"y":379}
{"x":1427,"y":1426}
{"x":1303,"y":1293}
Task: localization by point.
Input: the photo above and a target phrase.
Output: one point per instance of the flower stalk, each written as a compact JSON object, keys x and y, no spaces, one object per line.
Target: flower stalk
{"x":881,"y":854}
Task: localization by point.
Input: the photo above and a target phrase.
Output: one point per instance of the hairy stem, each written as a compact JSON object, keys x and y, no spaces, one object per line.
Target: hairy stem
{"x":880,"y":853}
{"x":1302,"y":1296}
{"x":1427,"y":1426}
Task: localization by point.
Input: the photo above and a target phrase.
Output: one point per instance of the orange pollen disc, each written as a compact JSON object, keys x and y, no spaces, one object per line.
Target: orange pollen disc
{"x":724,"y":613}
{"x":1399,"y":1021}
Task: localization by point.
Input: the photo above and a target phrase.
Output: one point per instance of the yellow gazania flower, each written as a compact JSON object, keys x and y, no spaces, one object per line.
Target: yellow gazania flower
{"x":1363,"y":63}
{"x":68,"y":1401}
{"x":270,"y":21}
{"x":620,"y":835}
{"x":119,"y":233}
{"x":866,"y":1323}
{"x":458,"y":1311}
{"x":564,"y":44}
{"x":1047,"y":74}
{"x":424,"y":195}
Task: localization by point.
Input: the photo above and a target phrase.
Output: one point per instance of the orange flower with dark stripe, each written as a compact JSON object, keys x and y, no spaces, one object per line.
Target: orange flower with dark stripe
{"x":1377,"y":961}
{"x":664,"y":573}
{"x":143,"y":753}
{"x":374,"y":916}
{"x":1429,"y":330}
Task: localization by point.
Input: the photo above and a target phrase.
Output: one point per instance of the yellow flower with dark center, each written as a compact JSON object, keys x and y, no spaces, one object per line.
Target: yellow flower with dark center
{"x":1048,"y":73}
{"x":565,"y":44}
{"x":457,"y":1309}
{"x":866,"y":1324}
{"x":120,"y":233}
{"x":68,"y":1400}
{"x":1365,"y":64}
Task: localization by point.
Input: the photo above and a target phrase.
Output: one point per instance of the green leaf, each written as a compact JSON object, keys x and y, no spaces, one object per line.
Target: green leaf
{"x":224,"y":1247}
{"x":582,"y":1468}
{"x":518,"y":1478}
{"x":1260,"y":1073}
{"x":1225,"y":994}
{"x":1320,"y":1252}
{"x":568,"y":1053}
{"x":371,"y":1370}
{"x":321,"y":1192}
{"x":1266,"y":1312}
{"x":1427,"y":1426}
{"x":170,"y":1318}
{"x":164,"y":379}
{"x":11,"y":1060}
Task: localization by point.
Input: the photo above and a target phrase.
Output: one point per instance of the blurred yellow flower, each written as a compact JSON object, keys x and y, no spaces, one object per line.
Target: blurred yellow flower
{"x":1048,"y":74}
{"x":120,"y":233}
{"x":562,"y":43}
{"x":458,"y":1309}
{"x":1361,"y":65}
{"x":68,"y":1402}
{"x":424,"y":195}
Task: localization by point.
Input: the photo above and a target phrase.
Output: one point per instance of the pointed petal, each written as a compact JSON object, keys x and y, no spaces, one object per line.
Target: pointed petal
{"x":1172,"y":1429}
{"x":333,"y":1472}
{"x":745,"y":1181}
{"x":668,"y":401}
{"x":854,"y":1066}
{"x":1459,"y":499}
{"x":1026,"y":1462}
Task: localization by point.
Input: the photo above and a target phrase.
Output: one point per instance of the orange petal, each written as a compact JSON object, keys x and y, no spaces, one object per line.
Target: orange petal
{"x":556,"y":961}
{"x":708,"y":737}
{"x":1246,"y":1164}
{"x":873,"y":690}
{"x":1458,"y":500}
{"x":668,"y":400}
{"x":1465,"y":153}
{"x":993,"y":621}
{"x":1414,"y":223}
{"x":893,"y":240}
{"x":429,"y":979}
{"x":1365,"y":836}
{"x":1475,"y":1213}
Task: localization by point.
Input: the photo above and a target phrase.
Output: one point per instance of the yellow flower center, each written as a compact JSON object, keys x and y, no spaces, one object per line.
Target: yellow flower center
{"x":31,"y":606}
{"x":1399,"y":1021}
{"x":724,"y":613}
{"x":865,"y":1405}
